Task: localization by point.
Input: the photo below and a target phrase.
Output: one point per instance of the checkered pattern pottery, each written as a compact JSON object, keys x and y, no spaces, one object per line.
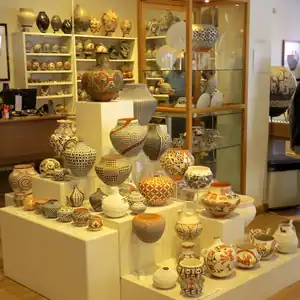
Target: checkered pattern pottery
{"x":204,"y":36}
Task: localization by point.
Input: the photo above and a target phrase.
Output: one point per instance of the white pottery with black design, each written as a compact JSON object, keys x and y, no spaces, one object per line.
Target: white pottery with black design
{"x":48,"y":165}
{"x":64,"y":214}
{"x":198,"y":177}
{"x":204,"y":36}
{"x":138,"y":207}
{"x":80,"y":158}
{"x":76,"y":198}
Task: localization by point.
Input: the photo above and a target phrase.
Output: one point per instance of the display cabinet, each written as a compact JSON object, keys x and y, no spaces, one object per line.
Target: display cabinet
{"x":204,"y":63}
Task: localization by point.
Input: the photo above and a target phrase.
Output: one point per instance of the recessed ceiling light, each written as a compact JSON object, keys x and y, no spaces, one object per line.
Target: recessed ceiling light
{"x":206,"y":1}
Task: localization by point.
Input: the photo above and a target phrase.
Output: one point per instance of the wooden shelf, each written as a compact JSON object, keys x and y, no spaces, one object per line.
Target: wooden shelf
{"x":105,"y":37}
{"x":154,"y":78}
{"x":50,"y":83}
{"x":47,"y":34}
{"x":49,"y":54}
{"x":50,"y":72}
{"x":111,"y":60}
{"x":54,"y":97}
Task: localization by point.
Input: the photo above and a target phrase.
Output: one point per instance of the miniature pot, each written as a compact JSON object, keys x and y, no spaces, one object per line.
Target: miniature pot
{"x":48,"y":165}
{"x":165,"y":278}
{"x":51,"y":208}
{"x":95,"y":223}
{"x":247,"y":256}
{"x":257,"y":232}
{"x":19,"y":198}
{"x":81,"y":217}
{"x":76,"y":198}
{"x":96,"y":200}
{"x":204,"y":36}
{"x":138,"y":207}
{"x":28,"y":203}
{"x":39,"y":206}
{"x":198,"y":177}
{"x":64,"y":214}
{"x":134,"y":197}
{"x":81,"y":19}
{"x":266,"y":245}
{"x":59,"y":174}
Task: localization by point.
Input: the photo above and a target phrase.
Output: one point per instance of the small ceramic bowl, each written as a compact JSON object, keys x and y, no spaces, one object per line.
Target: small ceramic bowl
{"x":266,"y":246}
{"x":64,"y":214}
{"x":81,"y":217}
{"x":138,"y":208}
{"x":39,"y":206}
{"x":19,"y":198}
{"x":95,"y":223}
{"x":51,"y":208}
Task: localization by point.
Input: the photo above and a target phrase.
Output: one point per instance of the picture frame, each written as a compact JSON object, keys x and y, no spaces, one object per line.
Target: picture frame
{"x":4,"y":56}
{"x":291,"y":56}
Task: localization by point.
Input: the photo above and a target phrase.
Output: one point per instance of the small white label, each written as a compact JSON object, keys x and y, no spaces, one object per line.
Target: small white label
{"x":18,"y":103}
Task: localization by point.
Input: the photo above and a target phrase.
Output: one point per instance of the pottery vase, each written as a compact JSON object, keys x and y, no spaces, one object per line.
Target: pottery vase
{"x":247,"y":256}
{"x":19,"y":198}
{"x":26,"y":18}
{"x":66,"y":27}
{"x":144,"y":104}
{"x":113,"y":169}
{"x":188,"y":251}
{"x":157,"y":189}
{"x":76,"y":198}
{"x":148,"y":227}
{"x":96,"y":200}
{"x":110,"y":22}
{"x":286,"y":237}
{"x":56,"y":23}
{"x":165,"y":278}
{"x":48,"y":165}
{"x":95,"y":25}
{"x":246,"y":209}
{"x":20,"y":179}
{"x":128,"y":137}
{"x":42,"y":22}
{"x":95,"y":223}
{"x":188,"y":226}
{"x":102,"y":83}
{"x":198,"y":177}
{"x":81,"y":19}
{"x":220,"y":259}
{"x":125,"y":26}
{"x":220,"y":200}
{"x":80,"y":158}
{"x":266,"y":245}
{"x":64,"y":214}
{"x":134,"y":197}
{"x":51,"y":208}
{"x":114,"y":205}
{"x":191,"y":279}
{"x":176,"y":161}
{"x":81,"y":217}
{"x":204,"y":36}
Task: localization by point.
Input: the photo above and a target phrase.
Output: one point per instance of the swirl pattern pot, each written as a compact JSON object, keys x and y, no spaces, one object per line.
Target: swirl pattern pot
{"x":48,"y":165}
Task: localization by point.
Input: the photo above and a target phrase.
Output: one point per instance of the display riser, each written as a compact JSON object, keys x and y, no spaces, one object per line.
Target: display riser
{"x":59,"y":260}
{"x":259,"y":283}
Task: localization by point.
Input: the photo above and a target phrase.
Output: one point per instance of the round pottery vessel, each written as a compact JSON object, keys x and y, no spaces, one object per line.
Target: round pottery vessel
{"x":81,"y":217}
{"x":66,"y":27}
{"x":246,"y":209}
{"x":198,"y":177}
{"x":26,"y":17}
{"x":64,"y":214}
{"x":157,"y":189}
{"x":220,"y":200}
{"x":113,"y":169}
{"x":96,"y":200}
{"x":176,"y":161}
{"x":204,"y":36}
{"x":19,"y":198}
{"x":81,"y":19}
{"x":59,"y":174}
{"x":51,"y":208}
{"x":56,"y":23}
{"x":110,"y":22}
{"x":125,"y":27}
{"x":149,"y":228}
{"x":20,"y":179}
{"x":247,"y":256}
{"x":42,"y":22}
{"x":220,"y":259}
{"x":157,"y":142}
{"x":266,"y":245}
{"x":128,"y":137}
{"x":165,"y":278}
{"x":138,"y":207}
{"x":257,"y":232}
{"x":76,"y":198}
{"x":48,"y":165}
{"x":286,"y":237}
{"x":80,"y":159}
{"x":134,"y":197}
{"x":188,"y":251}
{"x":39,"y":206}
{"x":191,"y":279}
{"x":95,"y":223}
{"x":28,"y":203}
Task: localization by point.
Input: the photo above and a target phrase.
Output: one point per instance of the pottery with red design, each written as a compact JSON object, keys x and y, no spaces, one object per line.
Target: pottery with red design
{"x":247,"y":256}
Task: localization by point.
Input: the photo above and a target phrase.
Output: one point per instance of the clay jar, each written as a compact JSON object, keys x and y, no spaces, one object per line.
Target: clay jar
{"x":64,"y":214}
{"x":113,"y":169}
{"x":48,"y":165}
{"x":81,"y":19}
{"x":148,"y":227}
{"x":95,"y":223}
{"x":19,"y":198}
{"x":165,"y":278}
{"x":42,"y":22}
{"x":247,"y":256}
{"x":176,"y":161}
{"x":26,"y":17}
{"x":20,"y":179}
{"x":198,"y":177}
{"x":220,"y":199}
{"x":51,"y":208}
{"x":76,"y":198}
{"x":39,"y":206}
{"x":128,"y":137}
{"x":157,"y":189}
{"x":81,"y":217}
{"x":266,"y":245}
{"x":96,"y":200}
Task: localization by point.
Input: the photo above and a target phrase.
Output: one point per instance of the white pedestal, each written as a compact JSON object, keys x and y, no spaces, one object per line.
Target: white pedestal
{"x":57,"y":260}
{"x":259,"y":283}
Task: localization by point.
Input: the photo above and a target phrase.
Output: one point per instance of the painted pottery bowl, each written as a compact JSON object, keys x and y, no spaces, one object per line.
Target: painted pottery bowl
{"x":266,"y":245}
{"x":51,"y":208}
{"x":254,"y":232}
{"x":95,"y":223}
{"x":64,"y":214}
{"x":247,"y":256}
{"x":48,"y":165}
{"x":19,"y":198}
{"x":81,"y":217}
{"x":198,"y":177}
{"x":149,"y":228}
{"x":165,"y":278}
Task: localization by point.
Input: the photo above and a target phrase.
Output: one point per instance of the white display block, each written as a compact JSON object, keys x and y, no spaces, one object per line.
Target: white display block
{"x":140,"y":258}
{"x":50,"y":189}
{"x":259,"y":283}
{"x":59,"y":260}
{"x":9,"y":199}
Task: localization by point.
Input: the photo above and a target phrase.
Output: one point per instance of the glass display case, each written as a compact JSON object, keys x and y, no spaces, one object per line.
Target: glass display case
{"x":193,"y":57}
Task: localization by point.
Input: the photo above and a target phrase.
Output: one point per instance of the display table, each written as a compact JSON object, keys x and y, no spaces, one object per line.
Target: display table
{"x":58,"y":260}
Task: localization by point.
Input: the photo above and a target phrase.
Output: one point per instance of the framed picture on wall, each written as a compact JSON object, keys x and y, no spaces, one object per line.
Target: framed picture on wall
{"x":4,"y":62}
{"x":291,"y":56}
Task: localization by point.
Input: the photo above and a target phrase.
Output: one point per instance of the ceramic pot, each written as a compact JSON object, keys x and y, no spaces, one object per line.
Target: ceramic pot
{"x":96,"y":200}
{"x":59,"y":174}
{"x":26,"y":18}
{"x":138,"y":207}
{"x":144,"y":104}
{"x":66,"y":27}
{"x":157,"y":142}
{"x":125,"y":27}
{"x":95,"y":223}
{"x":247,"y":256}
{"x":95,"y":25}
{"x":48,"y":165}
{"x":286,"y":237}
{"x":113,"y":169}
{"x":266,"y":245}
{"x":102,"y":83}
{"x":292,"y":60}
{"x":282,"y":87}
{"x":157,"y":189}
{"x":51,"y":208}
{"x":191,"y":279}
{"x":149,"y":228}
{"x":204,"y":36}
{"x":110,"y":22}
{"x":63,"y":137}
{"x":128,"y":137}
{"x":19,"y":198}
{"x":39,"y":206}
{"x":165,"y":278}
{"x":64,"y":214}
{"x":220,"y":259}
{"x":42,"y":22}
{"x":188,"y":251}
{"x":198,"y":177}
{"x":64,"y":49}
{"x":134,"y":197}
{"x":20,"y":179}
{"x":81,"y":217}
{"x":114,"y":205}
{"x":76,"y":198}
{"x":176,"y":161}
{"x":80,"y":158}
{"x":29,"y":203}
{"x":220,"y":199}
{"x":81,"y":19}
{"x":188,"y":227}
{"x":56,"y":23}
{"x":253,"y":233}
{"x":246,"y":209}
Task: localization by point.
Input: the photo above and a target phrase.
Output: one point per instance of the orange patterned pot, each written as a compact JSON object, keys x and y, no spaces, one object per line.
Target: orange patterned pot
{"x":157,"y":189}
